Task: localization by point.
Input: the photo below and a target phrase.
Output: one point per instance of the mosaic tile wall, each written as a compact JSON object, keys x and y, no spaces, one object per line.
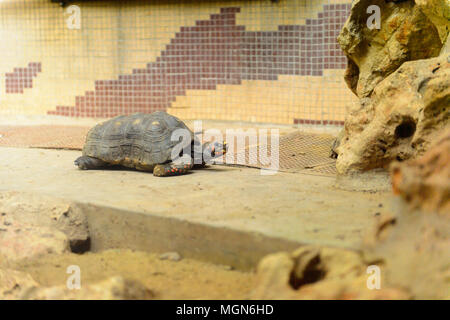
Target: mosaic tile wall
{"x":231,"y":60}
{"x":21,"y":78}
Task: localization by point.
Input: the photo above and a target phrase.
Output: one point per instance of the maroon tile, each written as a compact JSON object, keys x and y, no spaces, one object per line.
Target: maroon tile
{"x":21,"y":78}
{"x":220,"y":51}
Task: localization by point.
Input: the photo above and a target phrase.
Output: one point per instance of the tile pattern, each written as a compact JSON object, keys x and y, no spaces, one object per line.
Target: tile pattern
{"x":318,"y":122}
{"x":22,"y":78}
{"x":214,"y":52}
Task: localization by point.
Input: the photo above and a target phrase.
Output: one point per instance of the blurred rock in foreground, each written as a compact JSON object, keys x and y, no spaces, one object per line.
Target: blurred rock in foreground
{"x":33,"y":225}
{"x":318,"y":273}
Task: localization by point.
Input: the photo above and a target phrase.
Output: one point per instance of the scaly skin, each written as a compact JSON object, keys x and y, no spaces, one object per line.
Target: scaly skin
{"x":171,"y":169}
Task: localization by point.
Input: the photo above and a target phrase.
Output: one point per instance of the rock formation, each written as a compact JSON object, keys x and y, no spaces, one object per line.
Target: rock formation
{"x":438,"y":11}
{"x":20,"y":241}
{"x":404,"y":114}
{"x":410,"y":245}
{"x":115,"y":288}
{"x":401,"y":72}
{"x":318,"y":273}
{"x":424,"y":183}
{"x":406,"y":33}
{"x":32,"y":225}
{"x":16,"y":285}
{"x":414,"y":243}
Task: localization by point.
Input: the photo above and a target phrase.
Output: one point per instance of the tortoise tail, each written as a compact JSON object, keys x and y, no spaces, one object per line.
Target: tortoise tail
{"x":89,"y":163}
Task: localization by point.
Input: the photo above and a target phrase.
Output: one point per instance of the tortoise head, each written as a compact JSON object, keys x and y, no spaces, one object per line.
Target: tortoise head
{"x":215,"y":149}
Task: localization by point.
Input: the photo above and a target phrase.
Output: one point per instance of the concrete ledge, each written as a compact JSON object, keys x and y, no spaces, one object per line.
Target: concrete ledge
{"x":226,"y":215}
{"x":115,"y":228}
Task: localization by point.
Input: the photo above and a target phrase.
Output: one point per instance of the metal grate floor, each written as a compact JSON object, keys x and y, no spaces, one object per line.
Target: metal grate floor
{"x":298,"y":152}
{"x":45,"y":136}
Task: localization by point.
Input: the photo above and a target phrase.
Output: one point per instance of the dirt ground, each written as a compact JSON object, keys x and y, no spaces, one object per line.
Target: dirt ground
{"x":185,"y":279}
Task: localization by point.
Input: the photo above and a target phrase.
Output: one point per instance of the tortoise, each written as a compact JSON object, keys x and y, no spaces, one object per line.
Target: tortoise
{"x":145,"y":142}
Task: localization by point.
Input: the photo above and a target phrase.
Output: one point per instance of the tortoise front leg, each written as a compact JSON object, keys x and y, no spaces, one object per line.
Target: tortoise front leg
{"x":171,"y":169}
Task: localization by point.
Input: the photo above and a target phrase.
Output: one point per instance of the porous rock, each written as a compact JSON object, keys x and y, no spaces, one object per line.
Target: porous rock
{"x":405,"y":113}
{"x":40,"y":211}
{"x":406,"y":33}
{"x":317,"y":273}
{"x":114,"y":288}
{"x":13,"y":284}
{"x":438,"y":11}
{"x":424,"y":183}
{"x":21,"y":241}
{"x":413,"y":241}
{"x":414,"y":250}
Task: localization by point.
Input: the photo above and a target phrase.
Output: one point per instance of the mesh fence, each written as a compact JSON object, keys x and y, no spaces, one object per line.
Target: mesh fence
{"x":257,"y":61}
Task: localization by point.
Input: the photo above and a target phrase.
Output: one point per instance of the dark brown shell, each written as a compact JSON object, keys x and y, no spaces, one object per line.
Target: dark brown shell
{"x":138,"y":140}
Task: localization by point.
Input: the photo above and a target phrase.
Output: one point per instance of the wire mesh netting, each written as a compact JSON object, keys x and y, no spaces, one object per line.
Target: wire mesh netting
{"x":297,"y":151}
{"x":257,"y":61}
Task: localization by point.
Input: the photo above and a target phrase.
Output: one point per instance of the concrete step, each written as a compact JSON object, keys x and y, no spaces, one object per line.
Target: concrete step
{"x":225,"y":215}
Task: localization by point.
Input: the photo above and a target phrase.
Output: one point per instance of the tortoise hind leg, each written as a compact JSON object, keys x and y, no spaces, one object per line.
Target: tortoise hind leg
{"x":89,"y":163}
{"x":171,"y":169}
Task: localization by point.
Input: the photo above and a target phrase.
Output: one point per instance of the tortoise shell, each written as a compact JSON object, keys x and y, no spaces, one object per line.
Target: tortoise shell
{"x":136,"y":141}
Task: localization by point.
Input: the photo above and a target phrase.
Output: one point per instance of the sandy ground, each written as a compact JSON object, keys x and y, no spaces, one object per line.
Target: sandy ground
{"x":184,"y":279}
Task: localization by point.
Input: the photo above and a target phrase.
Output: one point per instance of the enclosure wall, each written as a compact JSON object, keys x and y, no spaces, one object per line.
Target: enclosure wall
{"x":262,"y":61}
